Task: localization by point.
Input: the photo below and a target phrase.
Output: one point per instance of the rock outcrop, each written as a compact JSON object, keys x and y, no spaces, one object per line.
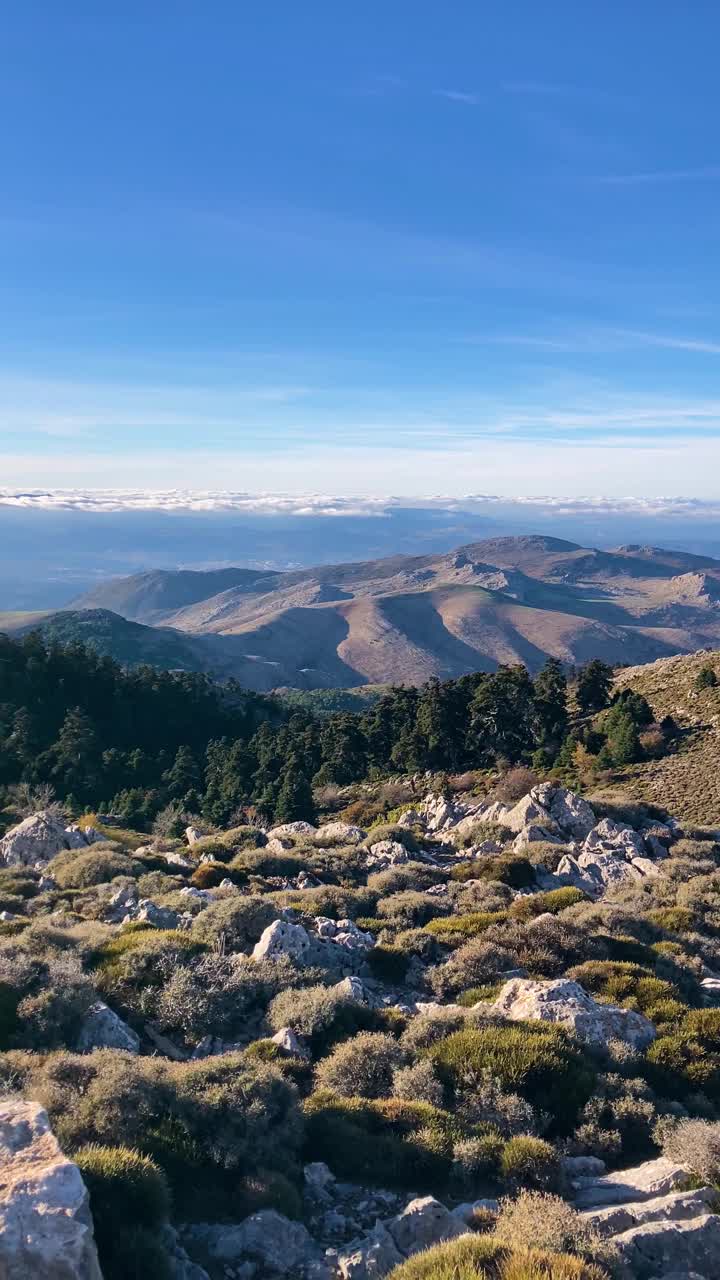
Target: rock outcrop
{"x":561,"y":1001}
{"x":39,"y":838}
{"x":46,"y":1230}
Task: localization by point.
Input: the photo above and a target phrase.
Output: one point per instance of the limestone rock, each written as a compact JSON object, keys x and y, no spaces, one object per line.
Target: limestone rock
{"x":677,"y":1206}
{"x":559,"y":1000}
{"x":387,"y":853}
{"x":37,"y":839}
{"x":287,"y":1040}
{"x":103,"y":1029}
{"x":268,"y":1238}
{"x":535,"y":834}
{"x":613,"y":835}
{"x":572,"y":814}
{"x":340,"y":832}
{"x":46,"y":1230}
{"x":292,"y":829}
{"x":149,"y":911}
{"x":423,"y":1222}
{"x":370,"y":1258}
{"x":192,"y":835}
{"x":527,"y":813}
{"x":624,"y":1186}
{"x":656,"y":1248}
{"x":281,"y":938}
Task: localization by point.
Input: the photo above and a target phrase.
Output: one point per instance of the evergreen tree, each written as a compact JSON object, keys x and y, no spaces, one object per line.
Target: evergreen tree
{"x":343,"y":749}
{"x":593,"y":686}
{"x":184,"y":777}
{"x":622,"y":744}
{"x":551,"y":705}
{"x":502,"y":715}
{"x":295,"y":798}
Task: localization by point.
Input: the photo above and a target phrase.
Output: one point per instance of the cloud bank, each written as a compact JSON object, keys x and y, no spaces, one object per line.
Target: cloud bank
{"x":326,"y":505}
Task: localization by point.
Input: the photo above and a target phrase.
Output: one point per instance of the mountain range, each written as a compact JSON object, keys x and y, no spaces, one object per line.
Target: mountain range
{"x":404,"y":619}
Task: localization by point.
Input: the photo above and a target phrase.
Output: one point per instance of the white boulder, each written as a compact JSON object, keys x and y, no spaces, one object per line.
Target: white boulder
{"x":340,"y":832}
{"x":281,"y":938}
{"x":567,"y":1003}
{"x":46,"y":1230}
{"x":39,"y":838}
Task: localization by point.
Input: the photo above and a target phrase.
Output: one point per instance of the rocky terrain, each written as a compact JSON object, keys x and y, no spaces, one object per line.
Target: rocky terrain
{"x":331,"y":1053}
{"x":406,"y":618}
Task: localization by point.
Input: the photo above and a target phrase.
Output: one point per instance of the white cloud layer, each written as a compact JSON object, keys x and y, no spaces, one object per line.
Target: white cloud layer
{"x":315,"y":504}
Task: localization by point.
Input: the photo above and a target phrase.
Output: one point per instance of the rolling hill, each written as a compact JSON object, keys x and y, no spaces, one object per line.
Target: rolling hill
{"x":407,"y":618}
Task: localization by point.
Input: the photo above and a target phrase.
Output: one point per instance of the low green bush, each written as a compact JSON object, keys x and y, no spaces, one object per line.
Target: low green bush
{"x":481,"y":1257}
{"x":537,"y":1060}
{"x":554,"y":900}
{"x":81,"y":868}
{"x":530,"y":1162}
{"x":447,"y":928}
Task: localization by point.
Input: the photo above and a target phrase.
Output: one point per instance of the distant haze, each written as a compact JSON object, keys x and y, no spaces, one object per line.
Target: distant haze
{"x":58,"y":544}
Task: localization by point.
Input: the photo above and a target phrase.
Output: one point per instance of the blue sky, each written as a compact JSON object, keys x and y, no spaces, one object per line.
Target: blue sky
{"x":402,"y":247}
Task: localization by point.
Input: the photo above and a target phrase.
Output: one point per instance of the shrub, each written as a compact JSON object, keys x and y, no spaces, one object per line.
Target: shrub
{"x":362,"y":1065}
{"x":536,"y":1060}
{"x":407,"y":875}
{"x":321,"y":1013}
{"x":448,"y":928}
{"x":216,"y":994}
{"x":696,"y":1144}
{"x":482,"y":1257}
{"x":390,"y":831}
{"x":554,"y":900}
{"x":237,"y":922}
{"x":208,"y":875}
{"x":475,"y":964}
{"x":409,"y":908}
{"x":388,"y":963}
{"x":428,"y":1028}
{"x":80,"y":868}
{"x":550,"y":1223}
{"x":530,"y":1162}
{"x":476,"y":1159}
{"x":386,"y":1142}
{"x":418,"y":1083}
{"x":126,"y":1188}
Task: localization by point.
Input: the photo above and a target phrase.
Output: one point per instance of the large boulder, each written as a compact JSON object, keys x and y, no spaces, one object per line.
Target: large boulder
{"x":676,"y":1206}
{"x":46,"y":1230}
{"x":292,"y":829}
{"x":267,"y":1238}
{"x":659,"y":1249}
{"x":627,"y":1186}
{"x":574,"y":816}
{"x":340,"y":833}
{"x":529,"y":813}
{"x":103,"y":1029}
{"x":386,"y":853}
{"x":559,"y":1000}
{"x":282,"y":938}
{"x":370,"y":1258}
{"x":39,"y":838}
{"x":615,"y":837}
{"x":423,"y":1222}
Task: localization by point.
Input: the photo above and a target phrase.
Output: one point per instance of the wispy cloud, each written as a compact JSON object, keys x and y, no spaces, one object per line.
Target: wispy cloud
{"x":458,"y":95}
{"x":704,"y":173}
{"x":599,"y":341}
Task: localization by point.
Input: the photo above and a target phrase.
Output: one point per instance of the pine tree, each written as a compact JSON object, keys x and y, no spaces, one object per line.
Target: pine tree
{"x":295,"y":798}
{"x":551,"y":705}
{"x":593,"y":686}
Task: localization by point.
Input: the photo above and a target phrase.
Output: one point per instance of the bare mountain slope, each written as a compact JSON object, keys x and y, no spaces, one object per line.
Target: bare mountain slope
{"x":686,"y":783}
{"x":406,"y":618}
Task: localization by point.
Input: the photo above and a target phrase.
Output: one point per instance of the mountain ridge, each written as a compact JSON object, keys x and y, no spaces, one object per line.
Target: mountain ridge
{"x":407,"y":618}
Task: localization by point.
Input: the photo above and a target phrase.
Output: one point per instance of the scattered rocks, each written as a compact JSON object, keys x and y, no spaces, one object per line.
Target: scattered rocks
{"x":386,"y":853}
{"x":46,"y":1230}
{"x":268,"y":1238}
{"x":289,"y":1042}
{"x":151,"y":913}
{"x":292,"y":829}
{"x":559,"y":1000}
